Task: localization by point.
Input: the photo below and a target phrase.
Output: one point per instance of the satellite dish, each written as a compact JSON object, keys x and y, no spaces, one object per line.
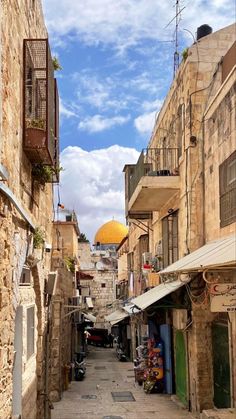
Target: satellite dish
{"x":99,"y":266}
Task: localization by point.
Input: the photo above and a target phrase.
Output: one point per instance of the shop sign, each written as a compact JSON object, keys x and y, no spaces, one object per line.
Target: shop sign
{"x":223,"y":297}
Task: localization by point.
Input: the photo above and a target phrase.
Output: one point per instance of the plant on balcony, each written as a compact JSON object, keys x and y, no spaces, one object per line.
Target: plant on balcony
{"x":35,"y":123}
{"x":41,"y":173}
{"x":70,"y":263}
{"x":56,"y":65}
{"x":38,"y":238}
{"x":44,"y":174}
{"x":82,"y":238}
{"x":35,"y":133}
{"x":185,"y":54}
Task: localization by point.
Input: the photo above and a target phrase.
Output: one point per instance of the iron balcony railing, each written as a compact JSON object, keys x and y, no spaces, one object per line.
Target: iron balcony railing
{"x":154,"y":162}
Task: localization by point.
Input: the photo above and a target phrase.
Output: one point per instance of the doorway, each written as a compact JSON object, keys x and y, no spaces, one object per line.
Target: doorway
{"x":17,"y":366}
{"x":181,"y":367}
{"x":221,"y":365}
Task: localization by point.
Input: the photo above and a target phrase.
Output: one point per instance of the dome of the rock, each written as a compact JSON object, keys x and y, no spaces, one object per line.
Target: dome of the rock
{"x":111,"y":233}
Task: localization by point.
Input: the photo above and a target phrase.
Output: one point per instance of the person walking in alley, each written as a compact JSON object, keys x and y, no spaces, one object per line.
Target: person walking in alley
{"x":110,"y":340}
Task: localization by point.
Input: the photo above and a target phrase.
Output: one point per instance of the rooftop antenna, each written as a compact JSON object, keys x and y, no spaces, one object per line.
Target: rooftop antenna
{"x":176,"y":53}
{"x":177,"y":20}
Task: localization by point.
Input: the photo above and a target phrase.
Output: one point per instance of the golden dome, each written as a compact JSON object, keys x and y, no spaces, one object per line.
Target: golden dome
{"x":111,"y":233}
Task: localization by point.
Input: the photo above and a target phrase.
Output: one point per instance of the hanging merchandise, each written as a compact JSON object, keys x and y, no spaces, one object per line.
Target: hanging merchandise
{"x":141,"y":362}
{"x":154,"y":374}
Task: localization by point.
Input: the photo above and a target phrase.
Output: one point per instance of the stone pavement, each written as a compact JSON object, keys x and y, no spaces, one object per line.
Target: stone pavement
{"x":92,"y":398}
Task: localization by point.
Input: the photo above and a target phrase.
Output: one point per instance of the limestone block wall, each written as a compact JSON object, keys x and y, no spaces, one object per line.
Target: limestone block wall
{"x":220,"y":138}
{"x":84,"y":252}
{"x":199,"y":347}
{"x":26,"y":20}
{"x":68,"y":239}
{"x":102,"y":290}
{"x":60,"y":331}
{"x":196,"y":82}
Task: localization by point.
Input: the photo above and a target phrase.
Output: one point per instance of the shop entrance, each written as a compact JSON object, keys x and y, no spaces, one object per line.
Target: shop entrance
{"x":180,"y":368}
{"x":221,"y":365}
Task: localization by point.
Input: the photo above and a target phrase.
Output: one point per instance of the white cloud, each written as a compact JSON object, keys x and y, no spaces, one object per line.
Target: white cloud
{"x":124,"y":23}
{"x":92,"y":183}
{"x":66,"y":111}
{"x":144,"y":123}
{"x":97,"y":123}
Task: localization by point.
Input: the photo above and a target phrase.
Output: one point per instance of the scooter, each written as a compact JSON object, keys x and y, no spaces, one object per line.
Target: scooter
{"x":79,"y":367}
{"x":120,"y":353}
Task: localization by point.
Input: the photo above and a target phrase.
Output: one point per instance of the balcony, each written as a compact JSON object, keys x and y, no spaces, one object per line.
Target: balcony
{"x":40,"y":100}
{"x":154,"y":180}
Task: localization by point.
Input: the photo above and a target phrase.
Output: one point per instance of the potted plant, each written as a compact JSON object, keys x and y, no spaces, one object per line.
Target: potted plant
{"x":44,"y":174}
{"x":56,"y":65}
{"x":35,"y":133}
{"x":38,"y":238}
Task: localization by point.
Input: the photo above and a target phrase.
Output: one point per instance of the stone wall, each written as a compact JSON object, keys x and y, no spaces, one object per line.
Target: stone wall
{"x":102,"y":289}
{"x":60,"y":327}
{"x":197,"y":87}
{"x":26,"y":20}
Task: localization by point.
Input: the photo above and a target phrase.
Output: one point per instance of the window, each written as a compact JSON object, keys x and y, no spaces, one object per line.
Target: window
{"x":25,"y":277}
{"x":170,"y":239}
{"x":30,"y":331}
{"x":227,"y":177}
{"x":103,"y":285}
{"x":180,"y":128}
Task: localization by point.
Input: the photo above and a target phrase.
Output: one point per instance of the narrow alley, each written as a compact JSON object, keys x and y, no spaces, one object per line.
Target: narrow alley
{"x":110,"y":392}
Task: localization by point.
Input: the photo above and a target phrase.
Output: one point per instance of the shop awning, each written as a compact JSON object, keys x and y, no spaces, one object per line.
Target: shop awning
{"x":213,"y":255}
{"x":89,"y":317}
{"x":131,"y":309}
{"x":155,"y":294}
{"x":116,"y":317}
{"x":89,"y":302}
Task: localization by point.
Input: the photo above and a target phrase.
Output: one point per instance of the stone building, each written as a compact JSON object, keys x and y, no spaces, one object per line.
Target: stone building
{"x":28,"y":166}
{"x":182,"y":193}
{"x":101,"y":265}
{"x":61,"y":330}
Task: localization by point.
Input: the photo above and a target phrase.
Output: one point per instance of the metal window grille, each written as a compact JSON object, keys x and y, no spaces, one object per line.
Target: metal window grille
{"x":227,"y":178}
{"x":170,"y":239}
{"x":30,"y":331}
{"x":39,"y":102}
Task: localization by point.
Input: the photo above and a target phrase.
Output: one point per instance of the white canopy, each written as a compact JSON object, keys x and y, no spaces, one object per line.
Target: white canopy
{"x":89,"y":317}
{"x":116,"y":317}
{"x":155,"y":294}
{"x":214,"y":254}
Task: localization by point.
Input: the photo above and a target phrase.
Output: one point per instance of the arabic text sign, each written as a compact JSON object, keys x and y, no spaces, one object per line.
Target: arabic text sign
{"x":223,"y":297}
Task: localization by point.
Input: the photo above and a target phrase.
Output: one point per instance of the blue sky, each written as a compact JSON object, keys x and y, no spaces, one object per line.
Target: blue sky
{"x":117,"y":59}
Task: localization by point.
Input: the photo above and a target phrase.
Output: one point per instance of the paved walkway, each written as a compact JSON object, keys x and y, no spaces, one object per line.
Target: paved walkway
{"x":92,"y":398}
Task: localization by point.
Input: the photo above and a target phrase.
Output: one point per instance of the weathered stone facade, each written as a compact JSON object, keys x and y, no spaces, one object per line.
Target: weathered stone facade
{"x":24,"y":206}
{"x":197,"y":117}
{"x":102,"y":288}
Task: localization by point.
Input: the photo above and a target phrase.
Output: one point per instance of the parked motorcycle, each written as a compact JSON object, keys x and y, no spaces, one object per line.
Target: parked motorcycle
{"x":79,"y":367}
{"x":120,"y":353}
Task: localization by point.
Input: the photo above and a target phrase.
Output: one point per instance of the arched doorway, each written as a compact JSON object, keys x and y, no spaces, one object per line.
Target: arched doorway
{"x":17,"y":367}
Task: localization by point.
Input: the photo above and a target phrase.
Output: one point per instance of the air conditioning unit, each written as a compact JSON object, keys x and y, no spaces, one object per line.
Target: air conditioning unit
{"x":146,"y":258}
{"x":180,"y":318}
{"x":51,"y":283}
{"x":77,"y":301}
